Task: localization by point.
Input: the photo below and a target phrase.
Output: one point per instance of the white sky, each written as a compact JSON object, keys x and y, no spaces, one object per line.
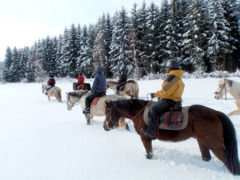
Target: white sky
{"x":22,"y":22}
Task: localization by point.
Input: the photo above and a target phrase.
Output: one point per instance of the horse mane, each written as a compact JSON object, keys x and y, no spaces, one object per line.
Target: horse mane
{"x":129,"y":103}
{"x":132,"y":81}
{"x":78,"y":94}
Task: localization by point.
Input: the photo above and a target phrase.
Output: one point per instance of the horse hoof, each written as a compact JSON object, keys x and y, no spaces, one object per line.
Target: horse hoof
{"x":149,"y":156}
{"x":206,"y":158}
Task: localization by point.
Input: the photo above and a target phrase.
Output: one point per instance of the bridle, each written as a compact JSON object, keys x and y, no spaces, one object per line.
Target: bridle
{"x":223,"y":87}
{"x":134,"y":117}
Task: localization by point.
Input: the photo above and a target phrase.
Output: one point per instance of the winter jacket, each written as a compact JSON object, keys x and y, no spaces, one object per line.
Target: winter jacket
{"x":51,"y":82}
{"x":80,"y":79}
{"x":172,"y":87}
{"x":122,"y":79}
{"x":99,"y":84}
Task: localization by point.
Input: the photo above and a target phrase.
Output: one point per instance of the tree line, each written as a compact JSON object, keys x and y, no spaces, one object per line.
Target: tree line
{"x":203,"y":35}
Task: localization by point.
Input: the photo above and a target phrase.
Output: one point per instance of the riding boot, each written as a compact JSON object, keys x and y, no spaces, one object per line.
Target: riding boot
{"x":86,"y":111}
{"x":150,"y":131}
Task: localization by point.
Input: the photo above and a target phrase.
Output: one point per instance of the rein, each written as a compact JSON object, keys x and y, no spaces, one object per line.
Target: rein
{"x":142,"y":110}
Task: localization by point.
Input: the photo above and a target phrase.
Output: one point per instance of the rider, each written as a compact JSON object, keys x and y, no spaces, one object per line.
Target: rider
{"x":98,"y":89}
{"x":80,"y":80}
{"x":51,"y":83}
{"x":122,"y":80}
{"x":170,"y":94}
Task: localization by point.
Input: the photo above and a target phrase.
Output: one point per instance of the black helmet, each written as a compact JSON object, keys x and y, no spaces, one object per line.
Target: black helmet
{"x":173,"y":64}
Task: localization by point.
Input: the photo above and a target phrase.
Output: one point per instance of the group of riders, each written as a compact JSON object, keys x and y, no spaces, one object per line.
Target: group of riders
{"x":169,"y":95}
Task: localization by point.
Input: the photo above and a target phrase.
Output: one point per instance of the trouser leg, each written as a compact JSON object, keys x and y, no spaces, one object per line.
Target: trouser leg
{"x":155,"y":110}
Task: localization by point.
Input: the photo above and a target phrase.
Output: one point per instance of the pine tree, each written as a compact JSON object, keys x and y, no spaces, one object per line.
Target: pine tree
{"x":119,"y":45}
{"x":218,"y":43}
{"x":7,"y":64}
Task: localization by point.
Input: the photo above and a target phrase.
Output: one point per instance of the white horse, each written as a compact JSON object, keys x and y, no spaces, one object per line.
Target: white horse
{"x":98,"y":109}
{"x":233,"y":87}
{"x":53,"y":92}
{"x":130,"y":88}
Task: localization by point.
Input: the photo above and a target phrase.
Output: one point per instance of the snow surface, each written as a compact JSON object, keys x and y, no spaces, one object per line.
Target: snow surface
{"x":41,"y":140}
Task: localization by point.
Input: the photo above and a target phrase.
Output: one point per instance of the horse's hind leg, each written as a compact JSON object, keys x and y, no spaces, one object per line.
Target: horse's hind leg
{"x":147,"y":142}
{"x":206,"y":156}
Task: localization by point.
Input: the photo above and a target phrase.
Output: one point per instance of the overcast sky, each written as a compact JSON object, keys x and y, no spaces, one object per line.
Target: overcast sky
{"x":22,"y":22}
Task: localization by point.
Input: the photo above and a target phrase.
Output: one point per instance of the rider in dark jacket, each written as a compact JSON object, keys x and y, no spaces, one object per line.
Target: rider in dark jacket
{"x":98,"y":89}
{"x":122,"y":80}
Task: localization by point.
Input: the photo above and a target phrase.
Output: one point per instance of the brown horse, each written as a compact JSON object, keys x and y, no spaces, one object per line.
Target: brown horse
{"x":212,"y":129}
{"x":82,"y":86}
{"x":130,"y":88}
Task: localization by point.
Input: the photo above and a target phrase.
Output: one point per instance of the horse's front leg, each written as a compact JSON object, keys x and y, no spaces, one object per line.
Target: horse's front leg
{"x":147,"y":142}
{"x":206,"y":156}
{"x":122,"y":124}
{"x":48,"y":98}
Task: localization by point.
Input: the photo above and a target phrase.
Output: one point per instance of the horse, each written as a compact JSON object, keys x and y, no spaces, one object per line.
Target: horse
{"x":233,"y":87}
{"x":98,"y":109}
{"x":212,"y":129}
{"x":130,"y":88}
{"x":54,"y":91}
{"x":82,"y":86}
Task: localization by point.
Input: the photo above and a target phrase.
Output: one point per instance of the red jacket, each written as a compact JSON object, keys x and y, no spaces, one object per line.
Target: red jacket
{"x":51,"y":82}
{"x":80,"y":79}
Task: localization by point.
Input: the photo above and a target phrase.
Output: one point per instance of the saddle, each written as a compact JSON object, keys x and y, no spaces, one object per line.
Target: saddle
{"x":174,"y":119}
{"x":96,"y":99}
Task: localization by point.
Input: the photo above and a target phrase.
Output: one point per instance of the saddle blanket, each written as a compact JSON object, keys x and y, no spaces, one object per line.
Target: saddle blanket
{"x":170,"y":120}
{"x":95,"y":100}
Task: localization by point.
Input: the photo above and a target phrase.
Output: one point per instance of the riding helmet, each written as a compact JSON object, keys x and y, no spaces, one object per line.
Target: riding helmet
{"x":173,"y":64}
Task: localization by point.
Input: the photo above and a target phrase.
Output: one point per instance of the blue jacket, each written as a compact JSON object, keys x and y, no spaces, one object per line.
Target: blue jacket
{"x":99,"y":84}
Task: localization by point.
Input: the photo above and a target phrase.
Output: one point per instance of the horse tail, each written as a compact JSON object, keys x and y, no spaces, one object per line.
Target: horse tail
{"x":59,"y":93}
{"x":230,"y":143}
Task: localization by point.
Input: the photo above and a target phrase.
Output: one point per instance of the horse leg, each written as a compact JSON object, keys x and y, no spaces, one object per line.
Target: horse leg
{"x":48,"y":98}
{"x":88,"y":117}
{"x":123,"y":124}
{"x":147,"y":142}
{"x":206,"y":156}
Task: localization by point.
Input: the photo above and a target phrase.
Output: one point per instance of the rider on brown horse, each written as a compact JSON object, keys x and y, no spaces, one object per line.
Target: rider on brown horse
{"x":122,"y":81}
{"x":170,"y":94}
{"x":80,"y":80}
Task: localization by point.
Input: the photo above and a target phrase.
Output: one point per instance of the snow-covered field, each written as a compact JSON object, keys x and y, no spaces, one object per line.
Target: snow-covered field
{"x":41,"y":140}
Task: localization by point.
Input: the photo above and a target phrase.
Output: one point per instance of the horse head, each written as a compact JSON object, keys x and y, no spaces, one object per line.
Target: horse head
{"x":111,"y":120}
{"x":74,"y":97}
{"x":221,"y":90}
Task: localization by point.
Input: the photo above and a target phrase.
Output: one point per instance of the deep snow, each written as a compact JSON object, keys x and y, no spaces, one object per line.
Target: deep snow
{"x":43,"y":140}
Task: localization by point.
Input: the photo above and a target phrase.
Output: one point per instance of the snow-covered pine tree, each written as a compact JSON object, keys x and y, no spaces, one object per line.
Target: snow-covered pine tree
{"x":119,"y":44}
{"x":7,"y":64}
{"x":153,"y":38}
{"x":218,"y":43}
